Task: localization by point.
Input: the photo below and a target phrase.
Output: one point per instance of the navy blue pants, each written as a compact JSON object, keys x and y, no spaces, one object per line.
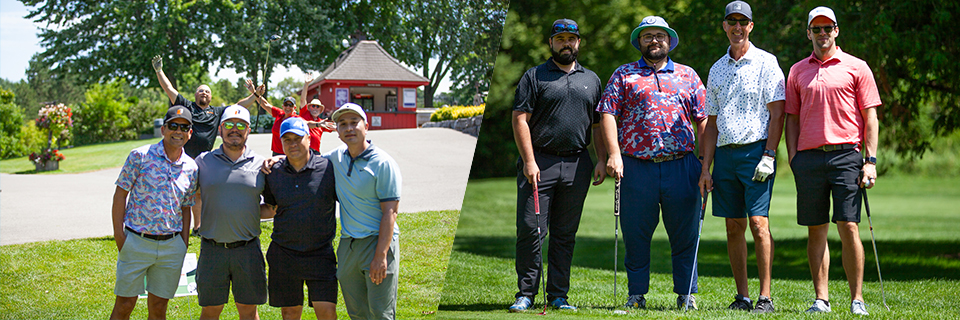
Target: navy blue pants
{"x":647,"y":189}
{"x":563,"y":186}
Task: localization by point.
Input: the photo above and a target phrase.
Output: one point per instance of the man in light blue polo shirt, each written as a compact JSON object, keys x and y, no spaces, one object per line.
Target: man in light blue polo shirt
{"x":368,"y":188}
{"x":745,"y":100}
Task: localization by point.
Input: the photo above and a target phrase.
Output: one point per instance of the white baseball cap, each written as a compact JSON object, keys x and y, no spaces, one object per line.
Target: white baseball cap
{"x":235,"y":112}
{"x":349,"y":107}
{"x":821,"y":11}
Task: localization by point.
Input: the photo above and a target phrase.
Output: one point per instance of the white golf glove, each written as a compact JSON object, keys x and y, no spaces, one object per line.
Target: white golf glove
{"x":764,"y":169}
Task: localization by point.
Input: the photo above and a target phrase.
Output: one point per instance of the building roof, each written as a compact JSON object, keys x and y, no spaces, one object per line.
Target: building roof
{"x":368,"y":61}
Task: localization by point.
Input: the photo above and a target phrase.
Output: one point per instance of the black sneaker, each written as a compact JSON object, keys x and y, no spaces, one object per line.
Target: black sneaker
{"x":741,"y":303}
{"x":764,"y":305}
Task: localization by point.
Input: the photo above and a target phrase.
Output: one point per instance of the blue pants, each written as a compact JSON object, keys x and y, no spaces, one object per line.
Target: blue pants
{"x":647,"y":189}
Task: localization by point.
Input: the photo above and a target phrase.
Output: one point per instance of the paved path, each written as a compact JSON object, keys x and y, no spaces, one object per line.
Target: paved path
{"x":434,"y":162}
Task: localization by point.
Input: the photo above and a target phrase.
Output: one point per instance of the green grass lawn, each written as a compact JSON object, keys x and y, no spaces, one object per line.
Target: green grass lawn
{"x":83,"y":159}
{"x":915,"y":221}
{"x":74,"y":279}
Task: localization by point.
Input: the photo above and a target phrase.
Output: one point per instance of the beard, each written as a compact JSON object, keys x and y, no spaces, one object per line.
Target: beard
{"x":234,"y":144}
{"x":565,"y":58}
{"x":659,"y":55}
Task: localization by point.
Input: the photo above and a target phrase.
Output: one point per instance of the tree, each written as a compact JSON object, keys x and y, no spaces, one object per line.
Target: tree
{"x":471,"y":71}
{"x":11,"y":119}
{"x":103,"y":117}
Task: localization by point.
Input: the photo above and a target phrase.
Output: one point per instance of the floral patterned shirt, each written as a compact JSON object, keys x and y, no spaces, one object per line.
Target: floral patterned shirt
{"x":738,"y":92}
{"x":656,"y":109}
{"x":158,"y":188}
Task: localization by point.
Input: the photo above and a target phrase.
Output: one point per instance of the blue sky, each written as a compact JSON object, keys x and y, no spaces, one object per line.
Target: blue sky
{"x":19,"y":41}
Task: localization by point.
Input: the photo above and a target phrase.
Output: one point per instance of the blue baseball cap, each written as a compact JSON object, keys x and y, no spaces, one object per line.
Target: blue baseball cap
{"x":658,"y":22}
{"x":295,"y":125}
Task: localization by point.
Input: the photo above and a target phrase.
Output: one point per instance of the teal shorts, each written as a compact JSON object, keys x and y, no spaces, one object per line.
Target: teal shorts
{"x":735,"y":194}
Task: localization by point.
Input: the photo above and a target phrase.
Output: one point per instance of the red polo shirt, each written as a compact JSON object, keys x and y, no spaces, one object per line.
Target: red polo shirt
{"x":278,"y":114}
{"x":315,"y":133}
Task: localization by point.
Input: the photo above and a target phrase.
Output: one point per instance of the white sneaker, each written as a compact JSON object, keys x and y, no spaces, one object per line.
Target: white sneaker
{"x":859,"y":308}
{"x":820,"y":306}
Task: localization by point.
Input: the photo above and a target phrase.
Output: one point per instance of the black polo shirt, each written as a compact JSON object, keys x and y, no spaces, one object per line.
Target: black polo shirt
{"x":205,"y":123}
{"x":562,"y":106}
{"x":305,"y":201}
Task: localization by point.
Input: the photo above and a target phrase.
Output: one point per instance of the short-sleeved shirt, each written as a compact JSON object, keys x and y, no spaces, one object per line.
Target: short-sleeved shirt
{"x":306,"y":204}
{"x":315,"y":133}
{"x":738,"y":92}
{"x":157,"y":188}
{"x":560,"y":106}
{"x":205,"y":123}
{"x":362,"y":184}
{"x":829,"y":97}
{"x":230,"y":191}
{"x":279,"y":116}
{"x":655,"y":108}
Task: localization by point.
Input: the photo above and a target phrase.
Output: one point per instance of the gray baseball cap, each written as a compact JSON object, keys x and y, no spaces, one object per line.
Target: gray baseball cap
{"x":738,"y":7}
{"x":654,"y":21}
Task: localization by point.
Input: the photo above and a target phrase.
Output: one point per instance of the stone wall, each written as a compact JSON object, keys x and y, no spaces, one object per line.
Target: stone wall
{"x":469,"y":126}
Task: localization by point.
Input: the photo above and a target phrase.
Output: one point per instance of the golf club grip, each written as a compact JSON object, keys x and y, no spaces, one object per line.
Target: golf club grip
{"x":616,"y":198}
{"x":703,"y":206}
{"x":866,"y":203}
{"x":536,"y":201}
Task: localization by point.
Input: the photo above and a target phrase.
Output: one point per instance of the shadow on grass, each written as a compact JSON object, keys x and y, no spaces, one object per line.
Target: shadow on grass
{"x":899,"y":260}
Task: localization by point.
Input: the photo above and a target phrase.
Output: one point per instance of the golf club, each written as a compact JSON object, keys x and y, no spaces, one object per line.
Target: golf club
{"x":540,"y":278}
{"x":616,"y":234}
{"x":693,"y":271}
{"x":270,"y":40}
{"x":874,"y":240}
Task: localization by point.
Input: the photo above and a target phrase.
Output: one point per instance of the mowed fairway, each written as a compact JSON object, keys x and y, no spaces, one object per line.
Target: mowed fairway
{"x":915,"y":221}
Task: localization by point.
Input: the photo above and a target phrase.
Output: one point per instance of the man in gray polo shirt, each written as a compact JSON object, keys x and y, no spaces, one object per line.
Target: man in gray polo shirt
{"x":230,"y":183}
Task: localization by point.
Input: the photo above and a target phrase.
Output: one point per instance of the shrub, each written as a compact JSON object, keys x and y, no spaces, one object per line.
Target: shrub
{"x":103,"y":117}
{"x":456,"y":112}
{"x":11,"y":119}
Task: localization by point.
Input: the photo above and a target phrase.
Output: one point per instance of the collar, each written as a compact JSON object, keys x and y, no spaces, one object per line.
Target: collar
{"x":552,"y":66}
{"x":750,"y":55}
{"x":668,"y":68}
{"x":365,"y":155}
{"x":247,"y":154}
{"x":838,"y":56}
{"x":158,"y":151}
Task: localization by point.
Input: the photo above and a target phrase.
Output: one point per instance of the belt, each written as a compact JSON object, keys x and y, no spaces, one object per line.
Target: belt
{"x":229,"y":245}
{"x":560,"y":153}
{"x":662,"y":158}
{"x":835,"y":147}
{"x":158,"y":237}
{"x":735,"y":145}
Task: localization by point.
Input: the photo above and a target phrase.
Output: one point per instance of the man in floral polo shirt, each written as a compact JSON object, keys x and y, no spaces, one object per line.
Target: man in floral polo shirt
{"x":649,"y":109}
{"x":151,"y":208}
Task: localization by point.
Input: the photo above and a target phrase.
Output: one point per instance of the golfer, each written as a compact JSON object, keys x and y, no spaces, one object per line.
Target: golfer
{"x":368,"y":189}
{"x":230,"y":255}
{"x":745,"y":108}
{"x":650,"y":108}
{"x":831,"y":100}
{"x":301,"y":190}
{"x":279,"y":115}
{"x":313,"y":113}
{"x":552,"y":122}
{"x":151,"y":218}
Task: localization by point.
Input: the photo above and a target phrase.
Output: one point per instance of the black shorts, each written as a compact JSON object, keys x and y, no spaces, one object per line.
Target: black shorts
{"x":290,"y":269}
{"x":821,"y":176}
{"x":219,"y":267}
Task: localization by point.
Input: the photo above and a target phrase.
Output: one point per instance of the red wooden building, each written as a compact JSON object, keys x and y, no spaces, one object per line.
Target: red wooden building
{"x":366,"y":75}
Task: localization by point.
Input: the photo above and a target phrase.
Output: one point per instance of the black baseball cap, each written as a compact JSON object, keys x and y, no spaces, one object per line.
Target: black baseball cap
{"x":178,"y":112}
{"x":564,"y":25}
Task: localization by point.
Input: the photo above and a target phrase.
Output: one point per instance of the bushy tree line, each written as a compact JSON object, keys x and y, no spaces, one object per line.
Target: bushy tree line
{"x":911,"y":46}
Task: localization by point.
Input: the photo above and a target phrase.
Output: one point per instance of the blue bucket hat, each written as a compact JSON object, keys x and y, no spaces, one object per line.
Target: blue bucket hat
{"x":654,"y":21}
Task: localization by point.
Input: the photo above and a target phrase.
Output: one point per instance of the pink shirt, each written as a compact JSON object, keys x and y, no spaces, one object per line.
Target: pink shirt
{"x":829,"y":97}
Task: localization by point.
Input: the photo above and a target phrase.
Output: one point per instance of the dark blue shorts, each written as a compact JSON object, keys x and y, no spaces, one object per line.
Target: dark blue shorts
{"x":735,"y":194}
{"x":822,"y":176}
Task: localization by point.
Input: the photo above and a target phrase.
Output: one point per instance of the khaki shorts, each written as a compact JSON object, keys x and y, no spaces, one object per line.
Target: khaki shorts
{"x":160,"y":262}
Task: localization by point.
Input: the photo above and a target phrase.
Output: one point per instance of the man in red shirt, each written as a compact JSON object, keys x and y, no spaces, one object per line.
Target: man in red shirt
{"x":313,"y":113}
{"x":289,"y":106}
{"x":831,"y":100}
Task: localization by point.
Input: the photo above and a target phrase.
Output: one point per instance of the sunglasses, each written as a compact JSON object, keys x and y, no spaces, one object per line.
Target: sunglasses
{"x":231,"y":125}
{"x":173,"y":126}
{"x":647,"y":38}
{"x":287,"y":104}
{"x":743,"y":22}
{"x":561,"y":27}
{"x":827,"y":29}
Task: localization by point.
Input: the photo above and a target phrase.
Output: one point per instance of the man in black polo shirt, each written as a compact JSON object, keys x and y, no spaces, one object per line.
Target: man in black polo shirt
{"x":302,"y":189}
{"x":552,"y":119}
{"x":206,"y":120}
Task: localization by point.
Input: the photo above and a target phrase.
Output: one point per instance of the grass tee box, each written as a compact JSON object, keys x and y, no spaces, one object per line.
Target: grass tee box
{"x":74,"y":279}
{"x":915,"y":221}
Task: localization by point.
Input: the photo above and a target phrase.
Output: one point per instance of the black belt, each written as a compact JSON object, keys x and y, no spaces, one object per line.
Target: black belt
{"x":735,"y":145}
{"x":158,"y":237}
{"x":229,"y":245}
{"x":663,"y":158}
{"x":559,"y":153}
{"x":835,"y":147}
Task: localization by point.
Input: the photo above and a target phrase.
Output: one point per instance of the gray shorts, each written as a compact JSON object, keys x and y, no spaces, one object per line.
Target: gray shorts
{"x":160,"y":262}
{"x":363,"y":299}
{"x":219,"y":267}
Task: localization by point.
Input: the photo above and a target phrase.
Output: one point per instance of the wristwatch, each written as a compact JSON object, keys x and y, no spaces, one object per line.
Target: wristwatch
{"x":771,"y":153}
{"x":872,"y":160}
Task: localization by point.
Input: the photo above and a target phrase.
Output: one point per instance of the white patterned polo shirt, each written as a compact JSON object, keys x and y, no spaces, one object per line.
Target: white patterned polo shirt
{"x":738,"y":93}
